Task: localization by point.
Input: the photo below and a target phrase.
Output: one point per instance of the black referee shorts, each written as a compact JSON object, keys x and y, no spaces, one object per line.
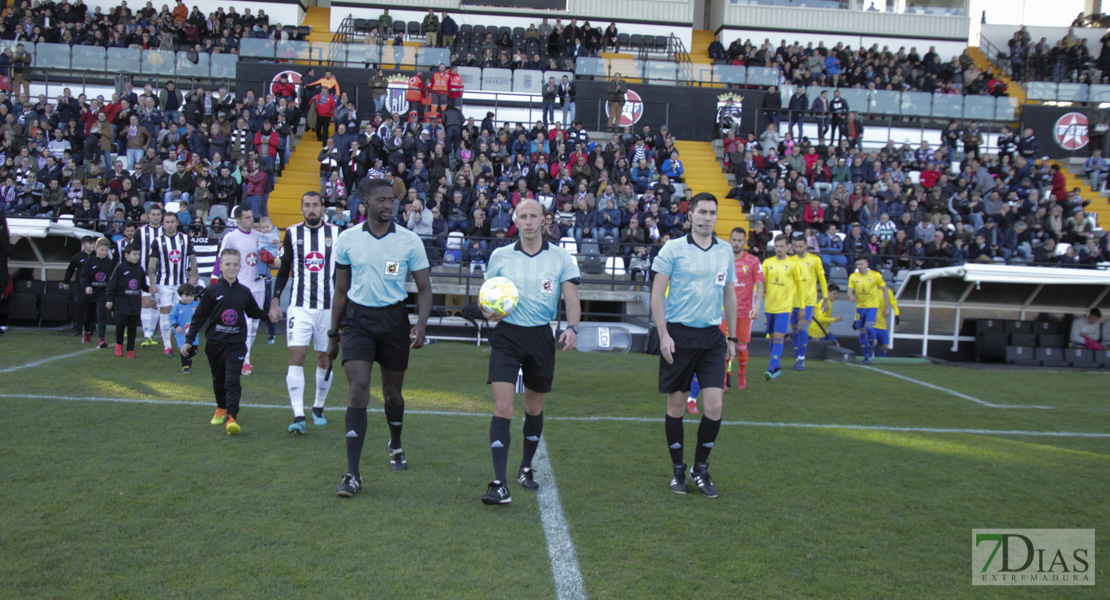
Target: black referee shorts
{"x":700,"y":351}
{"x":529,"y":348}
{"x":378,"y":335}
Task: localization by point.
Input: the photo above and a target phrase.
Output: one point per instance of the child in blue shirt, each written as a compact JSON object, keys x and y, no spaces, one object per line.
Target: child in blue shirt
{"x":180,"y":317}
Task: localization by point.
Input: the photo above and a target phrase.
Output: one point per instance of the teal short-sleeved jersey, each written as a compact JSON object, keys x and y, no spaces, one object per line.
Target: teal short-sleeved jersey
{"x":698,"y":278}
{"x":379,"y":266}
{"x":538,"y":279}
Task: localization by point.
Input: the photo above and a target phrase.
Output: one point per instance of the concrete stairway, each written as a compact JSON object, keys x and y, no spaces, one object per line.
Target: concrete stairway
{"x":1015,"y":90}
{"x":302,"y":174}
{"x":704,"y":174}
{"x":319,"y":18}
{"x":1074,"y":178}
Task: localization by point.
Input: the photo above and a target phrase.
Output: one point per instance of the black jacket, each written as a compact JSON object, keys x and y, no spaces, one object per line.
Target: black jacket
{"x":95,"y":274}
{"x":125,"y":288}
{"x":229,"y":306}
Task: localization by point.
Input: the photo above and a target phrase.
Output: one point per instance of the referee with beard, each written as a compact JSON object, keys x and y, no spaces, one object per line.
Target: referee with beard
{"x":371,"y":264}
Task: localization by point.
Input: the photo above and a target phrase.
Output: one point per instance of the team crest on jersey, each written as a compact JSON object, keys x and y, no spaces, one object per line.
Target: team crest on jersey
{"x":745,"y":268}
{"x":175,"y":256}
{"x":314,"y":262}
{"x":547,"y":285}
{"x":392,"y":267}
{"x":252,"y":259}
{"x":327,"y":242}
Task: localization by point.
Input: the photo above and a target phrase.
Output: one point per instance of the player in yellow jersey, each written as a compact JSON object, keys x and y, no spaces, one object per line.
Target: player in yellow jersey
{"x":812,"y":274}
{"x":823,"y":318}
{"x":882,"y":330}
{"x":782,"y":283}
{"x":866,"y":289}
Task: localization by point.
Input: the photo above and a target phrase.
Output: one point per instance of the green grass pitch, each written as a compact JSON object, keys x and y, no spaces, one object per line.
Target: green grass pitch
{"x":147,"y":500}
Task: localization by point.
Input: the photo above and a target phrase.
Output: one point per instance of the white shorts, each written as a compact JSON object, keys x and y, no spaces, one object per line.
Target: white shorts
{"x":166,"y":296}
{"x":304,"y":323}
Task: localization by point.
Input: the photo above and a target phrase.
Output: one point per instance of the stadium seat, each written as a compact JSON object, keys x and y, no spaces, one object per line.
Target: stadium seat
{"x":1080,"y":358}
{"x":838,"y":274}
{"x":1042,"y":327}
{"x":569,"y":245}
{"x":989,"y":326}
{"x":991,"y":345}
{"x":371,"y":24}
{"x":398,"y":28}
{"x":54,"y":307}
{"x":1023,"y":356}
{"x":415,"y":30}
{"x":622,"y":40}
{"x":887,"y":274}
{"x":479,"y":32}
{"x":1052,"y":357}
{"x":466,"y":29}
{"x":1102,"y":359}
{"x":1019,"y":327}
{"x":23,"y":305}
{"x":503,"y":30}
{"x":1050,"y":340}
{"x":1024,"y":339}
{"x":590,"y":248}
{"x":661,"y":42}
{"x":636,"y":41}
{"x":362,"y":26}
{"x":614,"y":265}
{"x":518,"y":32}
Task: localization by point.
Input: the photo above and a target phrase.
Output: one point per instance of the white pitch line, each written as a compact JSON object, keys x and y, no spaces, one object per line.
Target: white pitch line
{"x":445,"y":413}
{"x":948,"y":391}
{"x":560,"y":547}
{"x":44,"y":361}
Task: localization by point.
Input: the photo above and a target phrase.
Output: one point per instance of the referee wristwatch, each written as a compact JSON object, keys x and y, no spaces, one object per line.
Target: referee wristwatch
{"x":734,"y":340}
{"x":573,"y":328}
{"x":332,"y":334}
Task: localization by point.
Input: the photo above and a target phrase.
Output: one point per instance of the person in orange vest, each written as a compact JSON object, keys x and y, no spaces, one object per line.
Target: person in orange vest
{"x":440,"y":85}
{"x":427,"y":98}
{"x":455,"y":88}
{"x":415,"y":94}
{"x":328,"y":82}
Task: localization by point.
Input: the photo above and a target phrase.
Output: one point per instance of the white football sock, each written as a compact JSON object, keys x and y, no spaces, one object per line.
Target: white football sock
{"x":167,"y":331}
{"x":252,"y":330}
{"x":148,"y":320}
{"x":322,"y":387}
{"x":294,"y":380}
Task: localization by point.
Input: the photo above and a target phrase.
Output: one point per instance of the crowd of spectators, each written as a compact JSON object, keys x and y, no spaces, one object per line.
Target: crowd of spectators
{"x":1067,"y":59}
{"x":148,"y":28}
{"x":909,"y":207}
{"x":871,"y":68}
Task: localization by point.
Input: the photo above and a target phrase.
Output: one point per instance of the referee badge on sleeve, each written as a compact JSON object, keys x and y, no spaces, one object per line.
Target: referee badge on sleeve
{"x":392,"y":268}
{"x":720,"y":280}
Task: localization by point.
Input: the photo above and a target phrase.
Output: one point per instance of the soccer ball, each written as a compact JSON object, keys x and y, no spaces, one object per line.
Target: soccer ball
{"x":498,"y":296}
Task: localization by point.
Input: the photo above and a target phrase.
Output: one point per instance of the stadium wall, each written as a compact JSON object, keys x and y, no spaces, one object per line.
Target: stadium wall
{"x":652,"y":17}
{"x":286,"y":12}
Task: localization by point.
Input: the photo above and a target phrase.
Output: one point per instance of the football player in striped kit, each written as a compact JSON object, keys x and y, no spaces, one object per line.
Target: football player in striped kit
{"x":308,"y":262}
{"x":146,"y":235}
{"x":245,"y":239}
{"x":172,"y":262}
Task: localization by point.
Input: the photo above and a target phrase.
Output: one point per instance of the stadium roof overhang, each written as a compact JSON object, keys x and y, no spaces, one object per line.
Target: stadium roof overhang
{"x":1002,"y":291}
{"x":47,"y":245}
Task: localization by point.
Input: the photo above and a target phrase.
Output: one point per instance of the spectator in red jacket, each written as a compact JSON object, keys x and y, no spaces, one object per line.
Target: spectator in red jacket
{"x":284,"y":89}
{"x":324,"y":104}
{"x":257,"y":183}
{"x":266,"y":143}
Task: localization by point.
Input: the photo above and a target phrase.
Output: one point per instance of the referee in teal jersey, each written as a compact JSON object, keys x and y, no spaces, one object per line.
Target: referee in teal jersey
{"x":699,"y":269}
{"x":371,"y":265}
{"x":523,"y":340}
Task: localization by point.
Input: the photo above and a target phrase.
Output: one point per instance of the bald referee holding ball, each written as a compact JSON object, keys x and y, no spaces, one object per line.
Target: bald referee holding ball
{"x":523,"y":340}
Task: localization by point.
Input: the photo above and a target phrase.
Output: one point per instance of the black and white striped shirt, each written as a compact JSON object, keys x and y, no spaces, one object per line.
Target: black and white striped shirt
{"x":146,"y":236}
{"x":172,"y":254}
{"x":307,"y":256}
{"x":206,"y":248}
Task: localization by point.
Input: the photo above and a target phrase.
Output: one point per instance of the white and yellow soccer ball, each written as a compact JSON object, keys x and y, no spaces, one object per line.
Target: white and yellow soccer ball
{"x":498,"y":296}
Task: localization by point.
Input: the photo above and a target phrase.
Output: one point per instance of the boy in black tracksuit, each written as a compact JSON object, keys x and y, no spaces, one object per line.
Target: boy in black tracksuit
{"x":125,"y":290}
{"x":95,"y":273}
{"x":77,"y":291}
{"x":229,"y":304}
